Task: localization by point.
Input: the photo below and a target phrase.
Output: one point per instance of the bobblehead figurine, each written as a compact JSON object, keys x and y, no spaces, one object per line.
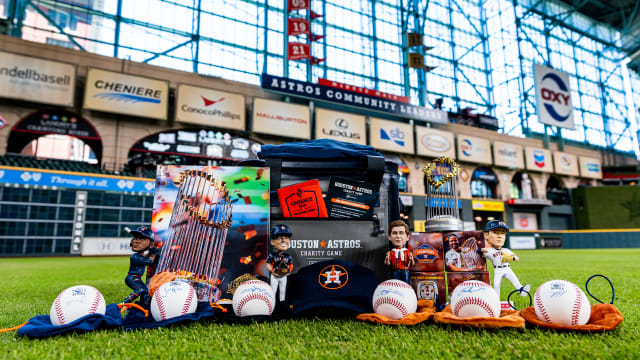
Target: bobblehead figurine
{"x":495,"y":234}
{"x":400,"y":258}
{"x":145,"y":254}
{"x":279,"y":263}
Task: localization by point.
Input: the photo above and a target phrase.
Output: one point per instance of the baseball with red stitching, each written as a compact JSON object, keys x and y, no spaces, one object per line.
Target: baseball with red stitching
{"x":173,"y":299}
{"x":561,"y":302}
{"x":253,"y":297}
{"x":474,"y":298}
{"x":394,"y":299}
{"x":76,"y":302}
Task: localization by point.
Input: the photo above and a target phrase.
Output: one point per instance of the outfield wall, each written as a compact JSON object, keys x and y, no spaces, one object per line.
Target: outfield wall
{"x":581,"y":239}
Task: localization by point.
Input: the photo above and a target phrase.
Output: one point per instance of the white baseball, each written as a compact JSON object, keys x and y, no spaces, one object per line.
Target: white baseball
{"x":561,"y":302}
{"x":394,"y":299}
{"x":475,"y":298}
{"x":175,"y":298}
{"x":76,"y":302}
{"x":253,"y":297}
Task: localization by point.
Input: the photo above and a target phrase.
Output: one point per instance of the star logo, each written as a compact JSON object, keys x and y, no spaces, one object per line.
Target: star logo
{"x":333,"y":277}
{"x":323,"y":244}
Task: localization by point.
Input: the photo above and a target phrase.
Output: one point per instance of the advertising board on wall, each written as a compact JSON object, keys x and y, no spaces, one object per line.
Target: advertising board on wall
{"x":125,"y":94}
{"x":525,"y":221}
{"x":281,"y":119}
{"x":391,"y":135}
{"x":565,"y":164}
{"x":508,"y":155}
{"x":351,"y":98}
{"x":435,"y":143}
{"x":32,"y":79}
{"x":474,"y":149}
{"x":590,"y":167}
{"x":340,"y":126}
{"x":553,"y":97}
{"x":213,"y":108}
{"x":538,"y":159}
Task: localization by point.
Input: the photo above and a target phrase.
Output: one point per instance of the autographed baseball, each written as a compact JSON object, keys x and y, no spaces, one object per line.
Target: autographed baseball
{"x":394,"y":299}
{"x":172,"y":299}
{"x":475,"y":298}
{"x":253,"y":297}
{"x":76,"y":302}
{"x":561,"y":302}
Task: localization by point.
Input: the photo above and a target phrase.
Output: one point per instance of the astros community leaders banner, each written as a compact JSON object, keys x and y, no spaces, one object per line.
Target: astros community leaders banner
{"x":351,"y":98}
{"x":281,"y":118}
{"x":126,"y":94}
{"x":553,"y":97}
{"x":37,"y":80}
{"x":213,"y":108}
{"x":340,"y":126}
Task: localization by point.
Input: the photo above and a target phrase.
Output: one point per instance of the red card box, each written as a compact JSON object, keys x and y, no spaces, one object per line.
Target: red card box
{"x":303,"y":200}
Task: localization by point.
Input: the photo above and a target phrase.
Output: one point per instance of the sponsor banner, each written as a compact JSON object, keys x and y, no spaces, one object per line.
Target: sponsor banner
{"x":340,"y":126}
{"x":435,"y":143}
{"x":522,"y":242}
{"x":391,"y":135}
{"x":55,"y":121}
{"x":553,"y":97}
{"x":590,"y":167}
{"x":37,"y":80}
{"x":106,"y":246}
{"x":212,"y":108}
{"x":71,"y":181}
{"x":484,"y":205}
{"x":474,"y":149}
{"x":524,"y":221}
{"x":538,"y":159}
{"x":203,"y":142}
{"x":351,"y":98}
{"x":361,"y":90}
{"x":508,"y":155}
{"x":565,"y":164}
{"x":126,"y":94}
{"x":280,"y":118}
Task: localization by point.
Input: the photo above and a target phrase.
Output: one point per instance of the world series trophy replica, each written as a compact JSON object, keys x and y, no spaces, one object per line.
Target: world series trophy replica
{"x":442,"y":196}
{"x":197,"y":232}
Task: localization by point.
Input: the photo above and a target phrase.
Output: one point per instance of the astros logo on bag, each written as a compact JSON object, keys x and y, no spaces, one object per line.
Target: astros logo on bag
{"x":333,"y":277}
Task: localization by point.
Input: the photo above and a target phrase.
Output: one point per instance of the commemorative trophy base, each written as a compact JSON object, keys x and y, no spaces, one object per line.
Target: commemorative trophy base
{"x":443,"y":224}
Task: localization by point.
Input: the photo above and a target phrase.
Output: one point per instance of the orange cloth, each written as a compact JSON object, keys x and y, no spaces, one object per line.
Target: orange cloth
{"x":507,"y":319}
{"x":158,"y":279}
{"x":426,"y":310}
{"x":604,"y":317}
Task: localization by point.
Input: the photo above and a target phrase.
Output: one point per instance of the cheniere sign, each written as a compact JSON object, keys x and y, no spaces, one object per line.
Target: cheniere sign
{"x":336,"y":95}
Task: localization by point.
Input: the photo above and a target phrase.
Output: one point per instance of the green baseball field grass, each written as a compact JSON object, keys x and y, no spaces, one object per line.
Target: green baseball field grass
{"x":30,"y":285}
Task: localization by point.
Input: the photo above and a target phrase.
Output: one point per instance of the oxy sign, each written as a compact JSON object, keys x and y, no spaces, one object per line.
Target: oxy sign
{"x":553,"y":97}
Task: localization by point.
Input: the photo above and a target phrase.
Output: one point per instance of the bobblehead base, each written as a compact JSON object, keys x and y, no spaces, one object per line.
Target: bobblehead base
{"x":429,"y":286}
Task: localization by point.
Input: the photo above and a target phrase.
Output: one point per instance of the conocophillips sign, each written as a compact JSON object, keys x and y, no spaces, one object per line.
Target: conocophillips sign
{"x":553,"y":97}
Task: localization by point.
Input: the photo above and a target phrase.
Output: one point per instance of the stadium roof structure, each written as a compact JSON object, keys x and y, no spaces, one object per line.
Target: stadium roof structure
{"x":623,"y":15}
